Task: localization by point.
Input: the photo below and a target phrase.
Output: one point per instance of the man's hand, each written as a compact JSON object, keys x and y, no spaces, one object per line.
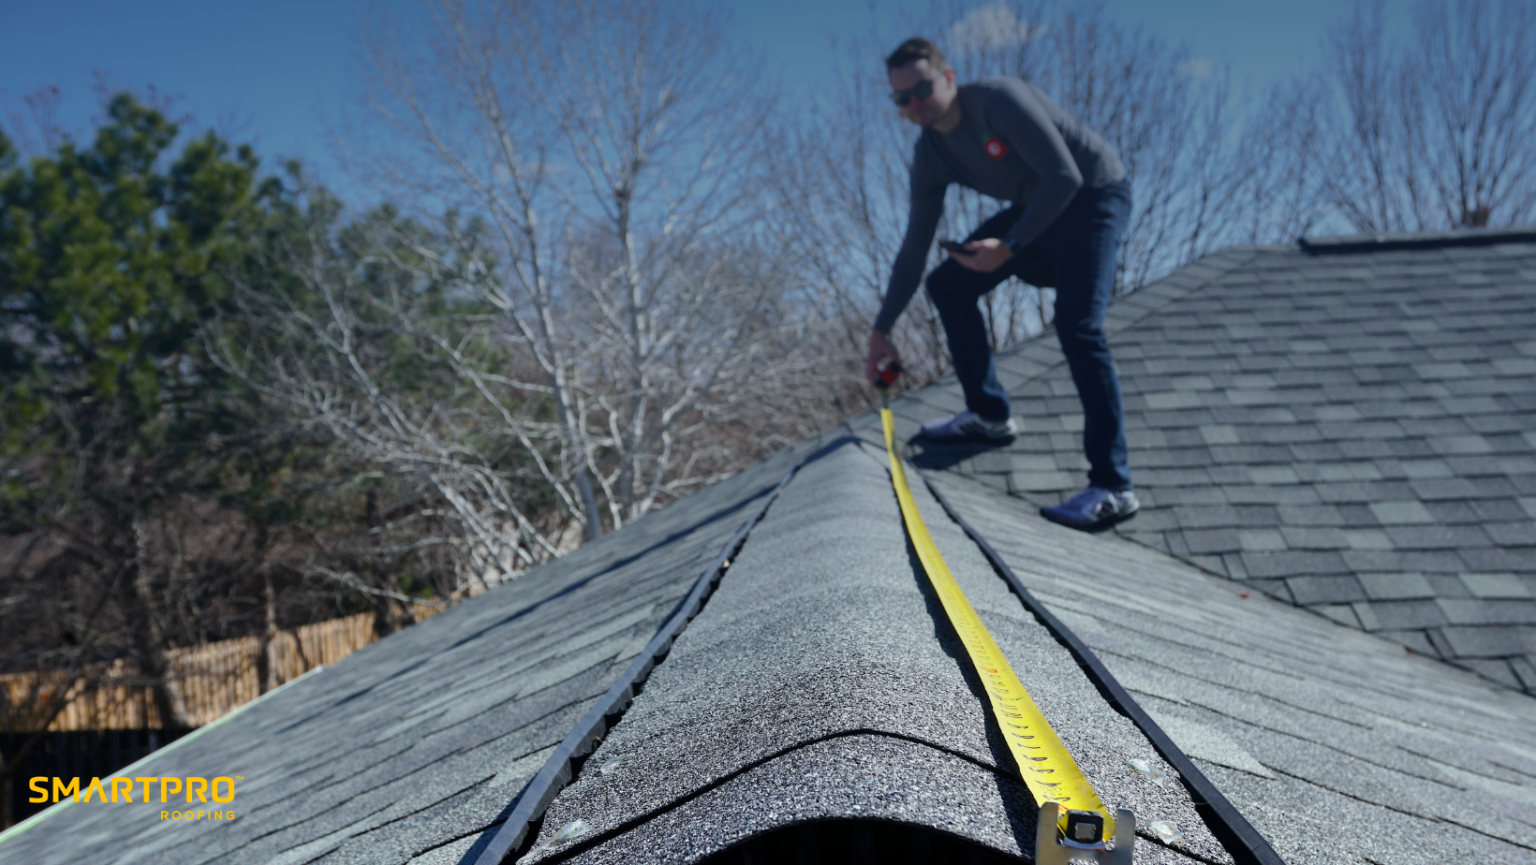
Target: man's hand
{"x":880,"y":348}
{"x":984,"y":256}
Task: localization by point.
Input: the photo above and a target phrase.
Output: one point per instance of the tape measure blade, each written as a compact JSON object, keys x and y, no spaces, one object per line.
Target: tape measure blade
{"x":1026,"y":729}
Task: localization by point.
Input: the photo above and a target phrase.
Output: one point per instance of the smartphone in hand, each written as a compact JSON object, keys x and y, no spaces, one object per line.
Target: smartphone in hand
{"x":954,"y":246}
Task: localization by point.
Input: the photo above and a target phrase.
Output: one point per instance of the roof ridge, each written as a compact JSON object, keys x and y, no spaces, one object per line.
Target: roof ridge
{"x":1388,"y":240}
{"x":563,"y":765}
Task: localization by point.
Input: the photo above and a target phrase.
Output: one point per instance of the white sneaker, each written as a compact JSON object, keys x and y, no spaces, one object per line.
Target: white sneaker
{"x":965,"y":425}
{"x":1094,"y":509}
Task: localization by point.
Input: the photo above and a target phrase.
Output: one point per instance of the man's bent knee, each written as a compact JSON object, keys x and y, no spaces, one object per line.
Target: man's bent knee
{"x":950,"y":285}
{"x":941,"y":286}
{"x":1083,"y":343}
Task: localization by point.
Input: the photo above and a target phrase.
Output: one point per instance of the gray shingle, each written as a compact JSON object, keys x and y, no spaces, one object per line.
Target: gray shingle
{"x":1402,"y":512}
{"x":1416,"y":468}
{"x":1423,"y":561}
{"x":1396,"y":586}
{"x":1488,"y":641}
{"x":1512,"y":534}
{"x":1345,"y":471}
{"x":1500,"y":510}
{"x":1437,"y":537}
{"x":1525,"y":672}
{"x":1367,"y":539}
{"x":1204,"y":542}
{"x":1310,"y":515}
{"x":1261,"y":540}
{"x":1444,"y":488}
{"x":1293,"y":562}
{"x":1403,"y":614}
{"x":1448,"y":586}
{"x":1498,"y":559}
{"x":1344,"y":614}
{"x":1453,"y":513}
{"x":1414,"y":640}
{"x":1309,"y":591}
{"x":1310,"y":538}
{"x":1496,"y":586}
{"x":1463,"y":611}
{"x":1262,"y":493}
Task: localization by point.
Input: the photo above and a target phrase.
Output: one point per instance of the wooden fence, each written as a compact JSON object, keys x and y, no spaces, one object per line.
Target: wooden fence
{"x":204,"y":682}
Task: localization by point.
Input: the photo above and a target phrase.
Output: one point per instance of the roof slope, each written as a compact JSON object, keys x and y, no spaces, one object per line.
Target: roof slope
{"x":410,"y":748}
{"x":1349,"y":426}
{"x":1338,"y":746}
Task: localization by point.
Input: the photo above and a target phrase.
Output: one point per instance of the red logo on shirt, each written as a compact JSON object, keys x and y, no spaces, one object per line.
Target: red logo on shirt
{"x":994,"y":147}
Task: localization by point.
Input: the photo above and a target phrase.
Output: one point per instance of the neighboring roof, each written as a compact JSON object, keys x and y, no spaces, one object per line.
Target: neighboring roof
{"x":819,"y":692}
{"x":1349,"y":425}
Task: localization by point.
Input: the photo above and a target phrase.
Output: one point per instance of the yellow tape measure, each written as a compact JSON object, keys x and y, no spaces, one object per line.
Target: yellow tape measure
{"x":1048,"y":769}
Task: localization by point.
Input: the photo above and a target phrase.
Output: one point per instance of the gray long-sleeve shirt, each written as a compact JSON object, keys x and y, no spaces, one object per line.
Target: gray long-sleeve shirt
{"x":1013,"y":144}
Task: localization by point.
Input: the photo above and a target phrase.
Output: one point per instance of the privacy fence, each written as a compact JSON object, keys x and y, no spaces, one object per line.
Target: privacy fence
{"x":111,"y":717}
{"x":202,"y":682}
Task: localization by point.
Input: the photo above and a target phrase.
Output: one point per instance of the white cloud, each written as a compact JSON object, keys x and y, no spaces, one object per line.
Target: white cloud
{"x":991,"y":27}
{"x":1199,"y":68}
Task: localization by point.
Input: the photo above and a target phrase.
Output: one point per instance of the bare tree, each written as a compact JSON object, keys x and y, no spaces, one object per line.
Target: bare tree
{"x":665,"y":131}
{"x":1142,"y":97}
{"x":1476,"y":71}
{"x":367,"y":347}
{"x":1431,"y":133}
{"x":1365,"y":154}
{"x":599,"y":167}
{"x":1277,"y":196}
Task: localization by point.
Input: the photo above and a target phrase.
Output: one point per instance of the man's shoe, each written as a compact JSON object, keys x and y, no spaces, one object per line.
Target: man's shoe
{"x":1094,"y":509}
{"x":966,"y":426}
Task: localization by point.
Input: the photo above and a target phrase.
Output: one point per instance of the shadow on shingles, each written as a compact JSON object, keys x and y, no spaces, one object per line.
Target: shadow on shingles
{"x":1018,"y":803}
{"x":926,"y":454}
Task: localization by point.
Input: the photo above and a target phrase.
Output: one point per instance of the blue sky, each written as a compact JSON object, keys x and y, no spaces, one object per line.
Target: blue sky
{"x":277,"y":72}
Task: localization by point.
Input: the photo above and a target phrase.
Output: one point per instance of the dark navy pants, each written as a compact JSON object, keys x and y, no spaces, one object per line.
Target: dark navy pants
{"x":1076,"y":256}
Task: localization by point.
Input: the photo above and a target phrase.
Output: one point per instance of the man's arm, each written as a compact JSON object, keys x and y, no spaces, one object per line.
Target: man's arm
{"x":922,"y":221}
{"x":1018,"y":115}
{"x":925,"y":206}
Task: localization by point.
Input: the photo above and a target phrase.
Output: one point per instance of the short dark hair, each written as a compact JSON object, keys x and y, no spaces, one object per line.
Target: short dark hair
{"x":915,"y":49}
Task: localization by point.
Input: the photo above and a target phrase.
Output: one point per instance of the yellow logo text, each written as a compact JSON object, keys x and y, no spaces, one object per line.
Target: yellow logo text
{"x":154,"y":788}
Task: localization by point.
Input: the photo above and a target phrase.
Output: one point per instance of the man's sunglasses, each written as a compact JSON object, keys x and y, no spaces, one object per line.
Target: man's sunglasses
{"x":922,"y":90}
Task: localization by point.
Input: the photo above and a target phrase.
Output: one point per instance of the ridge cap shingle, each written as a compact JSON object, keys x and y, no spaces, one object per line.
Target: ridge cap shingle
{"x":1385,"y":240}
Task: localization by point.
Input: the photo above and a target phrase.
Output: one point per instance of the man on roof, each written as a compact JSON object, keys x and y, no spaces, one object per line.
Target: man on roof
{"x":1070,"y":203}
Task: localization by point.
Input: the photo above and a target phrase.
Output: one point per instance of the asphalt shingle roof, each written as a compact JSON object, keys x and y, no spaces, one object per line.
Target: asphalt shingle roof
{"x":1348,"y":426}
{"x":819,"y":687}
{"x":1337,"y":745}
{"x":825,"y":682}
